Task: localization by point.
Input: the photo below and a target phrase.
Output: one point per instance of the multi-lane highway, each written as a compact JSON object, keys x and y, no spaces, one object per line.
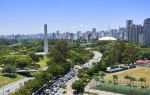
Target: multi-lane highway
{"x":57,"y":87}
{"x":89,"y":64}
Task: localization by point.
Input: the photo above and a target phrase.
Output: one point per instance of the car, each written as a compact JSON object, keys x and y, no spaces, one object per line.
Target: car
{"x":74,"y":92}
{"x":7,"y":90}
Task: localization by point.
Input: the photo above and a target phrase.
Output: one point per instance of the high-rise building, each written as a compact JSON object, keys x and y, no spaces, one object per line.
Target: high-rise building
{"x":94,"y":30}
{"x":141,"y":36}
{"x":57,"y":34}
{"x":94,"y":34}
{"x":71,"y":36}
{"x":129,"y":24}
{"x":78,"y":34}
{"x":137,"y":29}
{"x":147,"y":31}
{"x":113,"y":33}
{"x":45,"y":39}
{"x":123,"y":33}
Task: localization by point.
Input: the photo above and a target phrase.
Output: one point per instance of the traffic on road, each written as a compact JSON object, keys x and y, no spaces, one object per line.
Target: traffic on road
{"x":57,"y":87}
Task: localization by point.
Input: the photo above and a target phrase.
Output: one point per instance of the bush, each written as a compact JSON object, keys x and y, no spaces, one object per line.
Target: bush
{"x":78,"y":86}
{"x":34,"y":66}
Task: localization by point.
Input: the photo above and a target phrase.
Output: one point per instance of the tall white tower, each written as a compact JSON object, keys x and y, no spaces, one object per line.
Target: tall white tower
{"x":45,"y":39}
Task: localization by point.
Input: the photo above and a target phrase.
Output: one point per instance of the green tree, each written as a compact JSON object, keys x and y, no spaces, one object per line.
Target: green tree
{"x":33,"y":56}
{"x":130,"y":53}
{"x":142,"y":79}
{"x":78,"y":86}
{"x":97,"y":80}
{"x":127,"y":77}
{"x":145,"y":53}
{"x":115,"y":78}
{"x":10,"y":70}
{"x":114,"y":54}
{"x":8,"y":60}
{"x":59,"y":53}
{"x":23,"y":61}
{"x":4,"y":41}
{"x":133,"y":80}
{"x":44,"y":76}
{"x":56,"y":70}
{"x":102,"y":75}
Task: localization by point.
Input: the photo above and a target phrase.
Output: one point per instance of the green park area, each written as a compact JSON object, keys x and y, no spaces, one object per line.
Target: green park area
{"x":129,"y":82}
{"x":42,"y":62}
{"x":6,"y":80}
{"x":137,"y":77}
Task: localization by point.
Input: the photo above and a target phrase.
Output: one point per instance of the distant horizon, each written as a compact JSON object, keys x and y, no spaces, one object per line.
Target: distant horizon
{"x":29,"y":17}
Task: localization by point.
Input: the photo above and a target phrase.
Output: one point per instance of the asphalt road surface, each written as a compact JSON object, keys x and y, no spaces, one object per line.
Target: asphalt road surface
{"x":68,"y":79}
{"x":12,"y":86}
{"x":89,"y":64}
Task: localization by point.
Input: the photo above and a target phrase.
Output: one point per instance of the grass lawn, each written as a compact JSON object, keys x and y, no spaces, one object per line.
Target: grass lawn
{"x":6,"y":80}
{"x":42,"y":62}
{"x":100,"y":72}
{"x":136,"y":73}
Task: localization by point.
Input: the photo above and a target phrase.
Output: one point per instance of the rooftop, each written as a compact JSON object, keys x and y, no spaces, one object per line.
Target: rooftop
{"x":107,"y":38}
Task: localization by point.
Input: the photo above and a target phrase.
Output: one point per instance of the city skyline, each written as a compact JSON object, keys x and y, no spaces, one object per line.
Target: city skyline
{"x":28,"y":17}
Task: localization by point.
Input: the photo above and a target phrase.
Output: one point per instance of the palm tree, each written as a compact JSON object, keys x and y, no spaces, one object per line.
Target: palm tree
{"x":97,"y":80}
{"x":142,"y":79}
{"x":115,"y":78}
{"x":102,"y":75}
{"x":133,"y":80}
{"x":127,"y":77}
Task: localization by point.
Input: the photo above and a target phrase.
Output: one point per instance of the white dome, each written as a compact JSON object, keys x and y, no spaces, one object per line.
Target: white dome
{"x":107,"y":38}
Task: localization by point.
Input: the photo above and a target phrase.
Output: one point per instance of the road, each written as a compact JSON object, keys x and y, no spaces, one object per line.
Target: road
{"x":89,"y":64}
{"x":12,"y":86}
{"x":67,"y":80}
{"x":96,"y":58}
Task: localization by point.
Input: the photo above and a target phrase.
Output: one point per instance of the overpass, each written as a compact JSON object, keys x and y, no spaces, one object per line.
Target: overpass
{"x":20,"y":71}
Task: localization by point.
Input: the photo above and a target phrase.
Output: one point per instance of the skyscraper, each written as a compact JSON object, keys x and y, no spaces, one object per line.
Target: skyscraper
{"x":147,"y":31}
{"x":45,"y":39}
{"x":129,"y":24}
{"x":141,"y":36}
{"x":57,"y":34}
{"x":78,"y":35}
{"x":137,"y":29}
{"x":94,"y":30}
{"x":123,"y":33}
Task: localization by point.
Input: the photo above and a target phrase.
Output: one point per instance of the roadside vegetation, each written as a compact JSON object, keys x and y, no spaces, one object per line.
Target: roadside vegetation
{"x":5,"y":80}
{"x":124,"y":53}
{"x":62,"y":56}
{"x":115,"y":53}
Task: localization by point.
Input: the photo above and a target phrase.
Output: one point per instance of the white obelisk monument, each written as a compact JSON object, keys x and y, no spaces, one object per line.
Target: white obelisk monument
{"x":45,"y":39}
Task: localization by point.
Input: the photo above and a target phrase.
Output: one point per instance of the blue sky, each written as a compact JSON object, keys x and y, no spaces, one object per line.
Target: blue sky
{"x":28,"y":16}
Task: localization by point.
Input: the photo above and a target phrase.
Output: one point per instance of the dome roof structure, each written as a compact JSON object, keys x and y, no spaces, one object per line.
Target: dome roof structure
{"x":107,"y":38}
